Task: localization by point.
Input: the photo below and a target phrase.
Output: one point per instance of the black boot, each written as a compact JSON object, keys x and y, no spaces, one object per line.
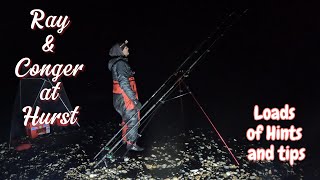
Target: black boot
{"x":134,"y":147}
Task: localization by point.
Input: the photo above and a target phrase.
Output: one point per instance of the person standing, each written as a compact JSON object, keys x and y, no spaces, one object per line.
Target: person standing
{"x":125,"y":94}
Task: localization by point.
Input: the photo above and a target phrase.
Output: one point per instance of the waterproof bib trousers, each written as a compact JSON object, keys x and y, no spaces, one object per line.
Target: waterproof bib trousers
{"x":125,"y":107}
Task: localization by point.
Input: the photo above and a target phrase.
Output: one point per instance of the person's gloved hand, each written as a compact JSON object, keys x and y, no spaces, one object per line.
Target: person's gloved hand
{"x":137,"y":104}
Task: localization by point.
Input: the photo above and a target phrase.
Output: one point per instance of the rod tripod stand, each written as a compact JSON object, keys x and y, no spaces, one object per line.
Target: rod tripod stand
{"x":175,"y":79}
{"x":187,"y":91}
{"x":45,"y":83}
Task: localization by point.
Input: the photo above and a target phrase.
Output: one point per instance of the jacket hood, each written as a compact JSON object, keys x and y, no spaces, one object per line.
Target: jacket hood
{"x":114,"y":60}
{"x":116,"y":51}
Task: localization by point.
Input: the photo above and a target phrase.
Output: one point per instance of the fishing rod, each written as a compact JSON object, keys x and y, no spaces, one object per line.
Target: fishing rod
{"x":182,"y":76}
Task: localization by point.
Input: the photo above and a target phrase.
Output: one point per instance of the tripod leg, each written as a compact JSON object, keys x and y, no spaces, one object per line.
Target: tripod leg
{"x":210,"y":122}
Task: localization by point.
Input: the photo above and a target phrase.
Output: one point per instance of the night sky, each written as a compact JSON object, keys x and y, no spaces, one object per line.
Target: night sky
{"x":269,"y":57}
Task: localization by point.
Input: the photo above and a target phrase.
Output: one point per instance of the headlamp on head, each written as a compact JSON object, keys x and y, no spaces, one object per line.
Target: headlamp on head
{"x":124,"y":44}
